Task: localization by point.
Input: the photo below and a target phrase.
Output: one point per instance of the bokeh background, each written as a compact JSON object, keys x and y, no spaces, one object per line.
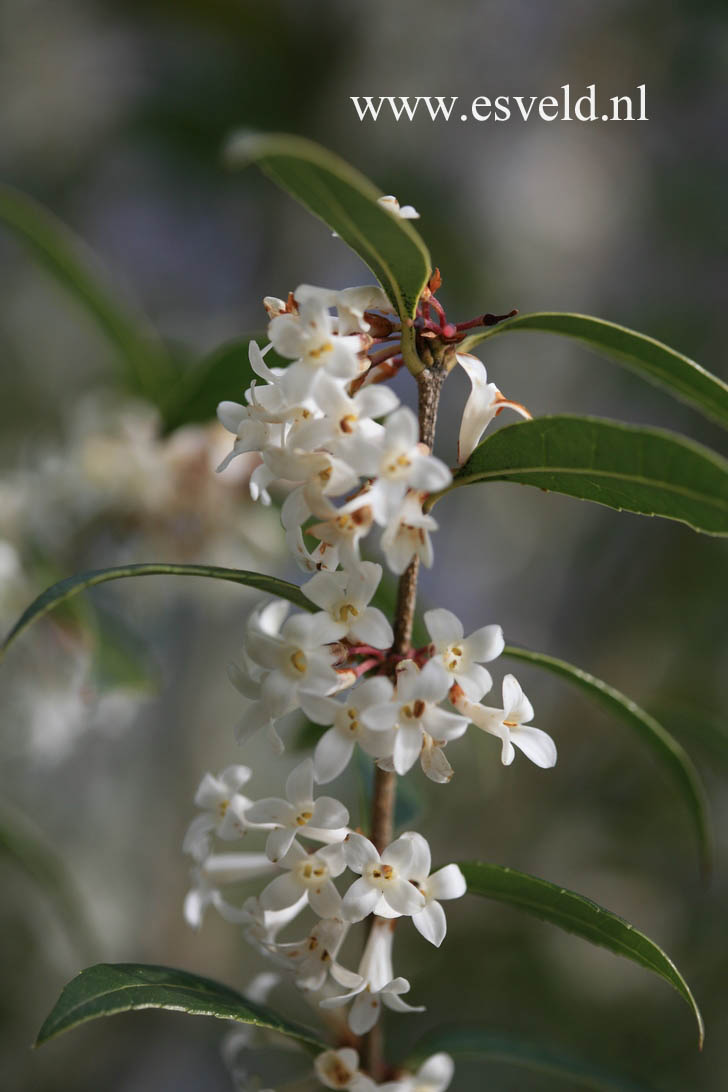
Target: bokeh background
{"x":113,"y":115}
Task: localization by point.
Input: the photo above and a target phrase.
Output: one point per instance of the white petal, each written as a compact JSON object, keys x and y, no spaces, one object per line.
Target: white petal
{"x":359,"y":900}
{"x":373,"y":628}
{"x":271,"y":809}
{"x":434,"y":763}
{"x":278,"y":843}
{"x":515,"y":703}
{"x":329,"y":813}
{"x":536,"y":745}
{"x":407,"y":747}
{"x":485,"y":644}
{"x":325,"y":900}
{"x":360,"y":853}
{"x":436,"y":1073}
{"x":364,"y":1013}
{"x":476,"y":681}
{"x":299,"y":784}
{"x":443,"y":626}
{"x":280,"y":893}
{"x":446,"y":883}
{"x":403,"y":896}
{"x":431,"y":923}
{"x":401,"y":853}
{"x":332,"y":756}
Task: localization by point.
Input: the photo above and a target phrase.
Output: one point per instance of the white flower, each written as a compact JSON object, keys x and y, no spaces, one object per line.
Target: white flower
{"x":293,"y":815}
{"x":345,"y":528}
{"x":335,"y":748}
{"x":222,"y":868}
{"x":484,"y":402}
{"x":434,"y":1075}
{"x":405,"y":212}
{"x":224,"y":813}
{"x":351,"y":303}
{"x":311,"y":958}
{"x":408,"y":535}
{"x":340,"y":1069}
{"x":511,"y":726}
{"x":384,"y":878}
{"x":398,"y":462}
{"x":415,"y":711}
{"x":345,"y":596}
{"x":462,"y":656}
{"x":446,"y":883}
{"x":309,"y":874}
{"x":311,"y":340}
{"x":345,"y":416}
{"x":374,"y":984}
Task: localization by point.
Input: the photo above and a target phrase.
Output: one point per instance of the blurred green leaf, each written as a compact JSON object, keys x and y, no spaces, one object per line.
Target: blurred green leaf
{"x":666,"y":749}
{"x":64,"y":589}
{"x":109,"y":988}
{"x":148,"y":369}
{"x":579,"y":915}
{"x":627,"y":467}
{"x":659,"y":363}
{"x":347,"y":202}
{"x":477,"y":1043}
{"x":29,"y":849}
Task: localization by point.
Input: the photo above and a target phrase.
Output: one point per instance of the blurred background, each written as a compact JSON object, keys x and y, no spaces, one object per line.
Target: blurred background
{"x":112,"y":115}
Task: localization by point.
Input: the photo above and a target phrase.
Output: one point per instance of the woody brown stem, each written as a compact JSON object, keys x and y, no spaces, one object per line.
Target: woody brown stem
{"x":429,"y":383}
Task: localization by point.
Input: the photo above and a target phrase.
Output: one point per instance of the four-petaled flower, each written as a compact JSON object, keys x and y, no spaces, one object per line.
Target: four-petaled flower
{"x":298,"y":813}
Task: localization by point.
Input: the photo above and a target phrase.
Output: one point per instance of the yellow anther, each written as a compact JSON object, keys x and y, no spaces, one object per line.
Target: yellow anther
{"x":298,"y":659}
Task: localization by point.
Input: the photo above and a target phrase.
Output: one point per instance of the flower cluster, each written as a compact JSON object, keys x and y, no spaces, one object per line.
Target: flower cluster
{"x":335,"y":440}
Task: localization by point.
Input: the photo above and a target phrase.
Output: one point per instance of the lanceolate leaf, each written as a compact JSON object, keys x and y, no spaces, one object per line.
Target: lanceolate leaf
{"x":627,"y":467}
{"x":58,"y":593}
{"x":109,"y":988}
{"x":347,"y":201}
{"x":646,"y":356}
{"x":147,"y":367}
{"x":478,"y":1044}
{"x":579,"y":915}
{"x":666,"y":749}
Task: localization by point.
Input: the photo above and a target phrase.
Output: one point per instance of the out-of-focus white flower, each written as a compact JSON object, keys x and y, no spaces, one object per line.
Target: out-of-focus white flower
{"x":434,"y":1075}
{"x":484,"y":402}
{"x":405,"y":212}
{"x":340,"y":1069}
{"x":462,"y":656}
{"x":292,"y":816}
{"x":510,"y":725}
{"x":224,"y":811}
{"x":217,"y":869}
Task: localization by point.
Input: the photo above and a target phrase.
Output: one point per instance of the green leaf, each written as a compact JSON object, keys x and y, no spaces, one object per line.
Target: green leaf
{"x":627,"y":467}
{"x":64,"y":589}
{"x":109,"y":988}
{"x":23,"y":843}
{"x":347,"y":202}
{"x":148,"y":369}
{"x":579,"y":915}
{"x":666,"y":749}
{"x":477,"y":1043}
{"x":659,"y":363}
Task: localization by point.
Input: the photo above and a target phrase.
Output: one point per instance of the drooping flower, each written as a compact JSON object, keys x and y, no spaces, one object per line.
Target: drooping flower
{"x":373,"y":985}
{"x":510,"y":725}
{"x":484,"y":403}
{"x":446,"y":883}
{"x":407,"y":535}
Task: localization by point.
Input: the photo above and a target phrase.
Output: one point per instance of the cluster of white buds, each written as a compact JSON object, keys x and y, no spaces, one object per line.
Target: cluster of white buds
{"x":348,"y":454}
